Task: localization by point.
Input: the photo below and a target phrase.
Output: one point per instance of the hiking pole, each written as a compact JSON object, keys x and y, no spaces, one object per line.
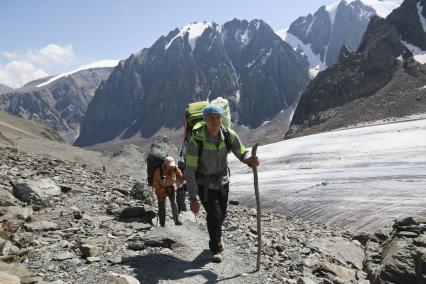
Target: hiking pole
{"x":256,"y":191}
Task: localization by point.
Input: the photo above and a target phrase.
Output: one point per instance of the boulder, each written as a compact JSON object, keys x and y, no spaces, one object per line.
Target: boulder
{"x":90,"y":250}
{"x":15,"y":213}
{"x":144,"y":193}
{"x":140,"y":213}
{"x":401,"y":257}
{"x":41,"y":226}
{"x":37,"y":192}
{"x":7,"y":199}
{"x":24,"y":275}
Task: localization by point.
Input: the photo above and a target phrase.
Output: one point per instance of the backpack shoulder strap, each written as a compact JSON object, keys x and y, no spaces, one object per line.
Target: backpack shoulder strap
{"x":200,"y":146}
{"x":227,"y":139}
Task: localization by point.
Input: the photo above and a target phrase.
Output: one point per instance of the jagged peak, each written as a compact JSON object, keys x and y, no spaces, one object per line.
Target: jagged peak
{"x":193,"y":31}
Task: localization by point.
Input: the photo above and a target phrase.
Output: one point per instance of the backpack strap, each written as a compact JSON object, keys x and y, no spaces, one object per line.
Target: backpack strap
{"x":227,"y":139}
{"x":200,"y":146}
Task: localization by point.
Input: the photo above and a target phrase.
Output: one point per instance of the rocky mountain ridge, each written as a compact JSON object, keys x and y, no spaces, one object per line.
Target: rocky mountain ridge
{"x":59,"y":102}
{"x":381,"y":80}
{"x":245,"y":62}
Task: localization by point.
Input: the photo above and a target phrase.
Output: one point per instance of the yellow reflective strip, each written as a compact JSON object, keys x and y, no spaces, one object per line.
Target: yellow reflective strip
{"x":241,"y":150}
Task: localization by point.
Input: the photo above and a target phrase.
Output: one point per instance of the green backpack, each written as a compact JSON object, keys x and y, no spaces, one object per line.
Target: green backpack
{"x":193,"y":115}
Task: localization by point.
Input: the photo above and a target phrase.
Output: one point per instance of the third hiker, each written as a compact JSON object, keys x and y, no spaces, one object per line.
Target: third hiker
{"x":207,"y":171}
{"x":164,"y":183}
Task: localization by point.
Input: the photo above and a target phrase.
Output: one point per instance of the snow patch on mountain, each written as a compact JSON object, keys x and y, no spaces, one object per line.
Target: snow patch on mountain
{"x":98,"y":64}
{"x":422,"y":19}
{"x":315,"y":63}
{"x":194,"y":31}
{"x":332,"y":10}
{"x":418,"y":54}
{"x":382,"y":8}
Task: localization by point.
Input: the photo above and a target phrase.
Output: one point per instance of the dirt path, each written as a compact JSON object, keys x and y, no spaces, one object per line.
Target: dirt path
{"x":190,"y":259}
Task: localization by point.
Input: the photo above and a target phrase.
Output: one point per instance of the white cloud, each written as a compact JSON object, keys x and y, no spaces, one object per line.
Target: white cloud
{"x":22,"y":67}
{"x":51,"y":55}
{"x":16,"y":73}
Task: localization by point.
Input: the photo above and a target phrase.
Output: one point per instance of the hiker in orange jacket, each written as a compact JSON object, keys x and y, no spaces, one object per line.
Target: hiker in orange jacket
{"x":164,"y":183}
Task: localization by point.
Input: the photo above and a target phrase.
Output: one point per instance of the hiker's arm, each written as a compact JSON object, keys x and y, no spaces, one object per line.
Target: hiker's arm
{"x":191,"y":168}
{"x":239,"y":150}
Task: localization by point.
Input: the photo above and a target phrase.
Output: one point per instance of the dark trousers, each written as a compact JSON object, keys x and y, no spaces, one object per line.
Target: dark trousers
{"x":162,"y":206}
{"x":181,"y":199}
{"x":215,"y":205}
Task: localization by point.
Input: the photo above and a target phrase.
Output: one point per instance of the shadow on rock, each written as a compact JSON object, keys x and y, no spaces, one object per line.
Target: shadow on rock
{"x":152,"y":268}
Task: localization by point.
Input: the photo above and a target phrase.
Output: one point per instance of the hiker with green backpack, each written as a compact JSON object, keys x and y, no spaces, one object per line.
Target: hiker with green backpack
{"x":207,"y":170}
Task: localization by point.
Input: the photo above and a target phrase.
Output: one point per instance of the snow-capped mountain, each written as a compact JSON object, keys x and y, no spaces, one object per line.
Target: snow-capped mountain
{"x":245,"y":62}
{"x":59,"y":101}
{"x":321,"y":36}
{"x":107,"y":63}
{"x":410,"y":21}
{"x":381,"y":80}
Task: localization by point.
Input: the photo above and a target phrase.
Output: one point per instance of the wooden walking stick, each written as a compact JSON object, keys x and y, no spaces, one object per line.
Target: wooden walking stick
{"x":259,"y":214}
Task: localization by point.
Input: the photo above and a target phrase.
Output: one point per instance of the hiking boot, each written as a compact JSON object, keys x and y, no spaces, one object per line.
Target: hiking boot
{"x":217,"y":257}
{"x":178,"y":223}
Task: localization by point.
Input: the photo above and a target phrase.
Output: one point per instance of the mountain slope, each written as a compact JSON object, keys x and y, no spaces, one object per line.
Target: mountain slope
{"x":245,"y":62}
{"x":321,"y":36}
{"x":381,"y":80}
{"x":12,"y":126}
{"x":58,"y":101}
{"x":4,"y":88}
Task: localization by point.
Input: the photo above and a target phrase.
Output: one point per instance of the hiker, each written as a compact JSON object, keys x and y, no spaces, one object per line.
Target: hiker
{"x":208,"y":174}
{"x":164,"y":183}
{"x":181,"y":189}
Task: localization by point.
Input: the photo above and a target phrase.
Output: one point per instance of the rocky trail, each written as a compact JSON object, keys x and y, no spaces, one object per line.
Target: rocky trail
{"x":65,"y":222}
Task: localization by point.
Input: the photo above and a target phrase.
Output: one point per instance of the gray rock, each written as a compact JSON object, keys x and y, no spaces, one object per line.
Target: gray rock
{"x":41,"y":226}
{"x":139,"y":213}
{"x":305,"y":251}
{"x":115,"y":260}
{"x":7,"y":248}
{"x":337,"y":271}
{"x":93,"y":259}
{"x":279,"y":248}
{"x":24,"y":275}
{"x":115,"y":278}
{"x":90,"y":250}
{"x":144,"y":193}
{"x":400,"y":258}
{"x":7,"y":199}
{"x":341,"y":249}
{"x":64,"y":256}
{"x":136,"y":245}
{"x":37,"y":192}
{"x":15,"y":212}
{"x":141,"y":226}
{"x":157,"y":239}
{"x":305,"y":280}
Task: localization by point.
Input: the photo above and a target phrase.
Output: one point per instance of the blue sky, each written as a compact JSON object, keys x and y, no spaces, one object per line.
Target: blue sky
{"x":51,"y":36}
